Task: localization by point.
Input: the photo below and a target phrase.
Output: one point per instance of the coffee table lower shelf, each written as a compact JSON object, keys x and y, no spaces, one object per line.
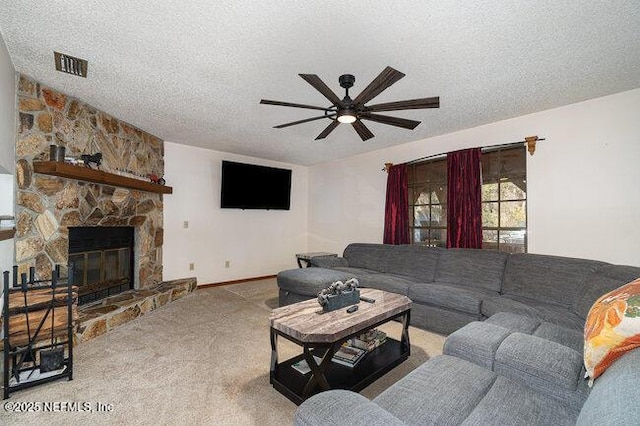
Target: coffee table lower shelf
{"x":374,"y":365}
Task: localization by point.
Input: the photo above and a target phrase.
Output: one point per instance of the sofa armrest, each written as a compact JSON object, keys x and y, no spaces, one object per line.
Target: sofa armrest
{"x":328,"y":262}
{"x":614,"y":398}
{"x":341,"y":407}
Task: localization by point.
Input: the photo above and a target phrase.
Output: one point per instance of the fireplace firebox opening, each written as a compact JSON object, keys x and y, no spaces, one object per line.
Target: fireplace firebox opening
{"x":103,"y":259}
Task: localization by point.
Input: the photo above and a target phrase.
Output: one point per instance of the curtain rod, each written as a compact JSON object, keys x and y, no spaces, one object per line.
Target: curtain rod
{"x":529,"y":140}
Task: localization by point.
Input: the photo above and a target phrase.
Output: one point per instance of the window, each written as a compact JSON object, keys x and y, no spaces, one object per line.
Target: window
{"x":504,"y":201}
{"x":427,"y":203}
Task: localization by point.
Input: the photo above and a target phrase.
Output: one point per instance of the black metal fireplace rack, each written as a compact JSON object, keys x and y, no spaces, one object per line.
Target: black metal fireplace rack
{"x":39,"y":358}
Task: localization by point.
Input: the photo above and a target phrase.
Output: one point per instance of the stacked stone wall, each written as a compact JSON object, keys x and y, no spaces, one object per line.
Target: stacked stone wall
{"x":46,"y":206}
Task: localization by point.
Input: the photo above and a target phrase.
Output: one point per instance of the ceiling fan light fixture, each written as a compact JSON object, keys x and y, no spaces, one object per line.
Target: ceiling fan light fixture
{"x":354,"y":111}
{"x":347,"y":116}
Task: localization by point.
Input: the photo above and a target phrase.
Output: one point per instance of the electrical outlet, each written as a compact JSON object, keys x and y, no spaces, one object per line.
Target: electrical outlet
{"x":185,"y":224}
{"x":227,"y":263}
{"x":192,"y":266}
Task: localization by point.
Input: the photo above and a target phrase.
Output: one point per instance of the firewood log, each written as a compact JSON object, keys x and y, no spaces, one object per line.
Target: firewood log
{"x":22,"y":338}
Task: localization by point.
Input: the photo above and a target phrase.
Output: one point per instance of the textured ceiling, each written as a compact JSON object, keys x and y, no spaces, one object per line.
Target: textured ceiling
{"x":193,"y":72}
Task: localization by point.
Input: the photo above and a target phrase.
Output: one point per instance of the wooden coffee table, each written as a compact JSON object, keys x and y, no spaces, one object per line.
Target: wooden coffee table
{"x":322,"y":333}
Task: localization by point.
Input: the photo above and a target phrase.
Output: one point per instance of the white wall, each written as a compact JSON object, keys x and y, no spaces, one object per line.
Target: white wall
{"x":583,"y":181}
{"x":7,"y":146}
{"x":6,"y":208}
{"x":7,"y":110}
{"x":256,"y":242}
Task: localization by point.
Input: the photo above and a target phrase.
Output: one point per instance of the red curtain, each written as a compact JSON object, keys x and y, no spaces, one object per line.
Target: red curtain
{"x":396,"y":212}
{"x":464,"y":218}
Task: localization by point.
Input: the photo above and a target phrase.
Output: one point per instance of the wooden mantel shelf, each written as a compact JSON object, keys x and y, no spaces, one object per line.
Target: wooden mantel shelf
{"x":69,"y":171}
{"x":7,"y":233}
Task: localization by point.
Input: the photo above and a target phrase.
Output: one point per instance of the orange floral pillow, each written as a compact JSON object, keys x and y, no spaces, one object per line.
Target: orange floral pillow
{"x":612,"y":328}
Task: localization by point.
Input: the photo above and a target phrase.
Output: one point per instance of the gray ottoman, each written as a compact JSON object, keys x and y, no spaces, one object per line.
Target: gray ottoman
{"x":297,"y":285}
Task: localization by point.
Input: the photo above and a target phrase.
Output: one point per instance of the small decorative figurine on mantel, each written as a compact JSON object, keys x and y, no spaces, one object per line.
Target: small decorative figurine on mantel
{"x":155,"y":179}
{"x":96,"y":158}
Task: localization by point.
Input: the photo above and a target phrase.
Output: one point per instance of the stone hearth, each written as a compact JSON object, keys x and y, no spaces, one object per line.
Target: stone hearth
{"x":99,"y":318}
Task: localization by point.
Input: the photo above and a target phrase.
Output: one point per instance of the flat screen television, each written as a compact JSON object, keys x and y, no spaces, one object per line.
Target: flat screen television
{"x":249,"y":186}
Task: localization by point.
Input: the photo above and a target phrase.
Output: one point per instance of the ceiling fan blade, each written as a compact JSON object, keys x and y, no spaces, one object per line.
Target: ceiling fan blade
{"x":385,"y":79}
{"x":306,"y":120}
{"x":362,"y":130}
{"x":409,"y":104}
{"x":328,"y":129}
{"x":289,"y":104}
{"x":393,"y":121}
{"x":319,"y":85}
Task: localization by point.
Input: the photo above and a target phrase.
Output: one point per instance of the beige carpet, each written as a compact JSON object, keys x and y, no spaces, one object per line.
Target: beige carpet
{"x":203,"y":359}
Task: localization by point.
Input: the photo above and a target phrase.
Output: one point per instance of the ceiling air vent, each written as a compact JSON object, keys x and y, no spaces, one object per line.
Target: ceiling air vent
{"x":70,"y":64}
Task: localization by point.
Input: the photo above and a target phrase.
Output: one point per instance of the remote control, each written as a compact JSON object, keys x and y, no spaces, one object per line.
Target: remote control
{"x":367,"y":299}
{"x":352,"y":309}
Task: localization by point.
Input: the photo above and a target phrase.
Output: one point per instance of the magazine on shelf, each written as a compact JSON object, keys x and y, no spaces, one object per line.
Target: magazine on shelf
{"x":348,"y":355}
{"x":302,"y":366}
{"x":369,"y":340}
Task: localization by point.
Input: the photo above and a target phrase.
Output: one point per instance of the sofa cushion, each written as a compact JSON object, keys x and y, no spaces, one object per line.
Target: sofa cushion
{"x":614,"y":399}
{"x":473,"y":268}
{"x":568,"y":337}
{"x":548,"y":279}
{"x":605,"y":279}
{"x":559,"y":315}
{"x":414,"y":261}
{"x":341,"y":407}
{"x":444,"y":390}
{"x":358,"y":272}
{"x":514,"y":322}
{"x":368,"y":256}
{"x":511,"y":403}
{"x":535,"y":360}
{"x":449,"y":391}
{"x":547,"y":367}
{"x":439,"y":319}
{"x":612,"y":328}
{"x":497,"y":304}
{"x":449,"y":296}
{"x":537,"y":310}
{"x":476,"y":342}
{"x":386,"y":282}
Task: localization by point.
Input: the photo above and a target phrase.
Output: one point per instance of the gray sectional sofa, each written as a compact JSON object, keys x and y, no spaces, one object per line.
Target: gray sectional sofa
{"x":514,"y":352}
{"x":447,"y":390}
{"x":497,"y":372}
{"x":453,"y":287}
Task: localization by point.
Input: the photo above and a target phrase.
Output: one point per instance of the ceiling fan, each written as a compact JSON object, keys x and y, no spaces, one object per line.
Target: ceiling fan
{"x":353,"y":111}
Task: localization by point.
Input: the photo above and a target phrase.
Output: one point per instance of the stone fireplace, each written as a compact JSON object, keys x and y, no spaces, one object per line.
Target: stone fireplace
{"x":48,"y":207}
{"x":51,"y":210}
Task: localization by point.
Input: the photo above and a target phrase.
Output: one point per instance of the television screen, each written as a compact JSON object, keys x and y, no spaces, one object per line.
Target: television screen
{"x":249,"y":186}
